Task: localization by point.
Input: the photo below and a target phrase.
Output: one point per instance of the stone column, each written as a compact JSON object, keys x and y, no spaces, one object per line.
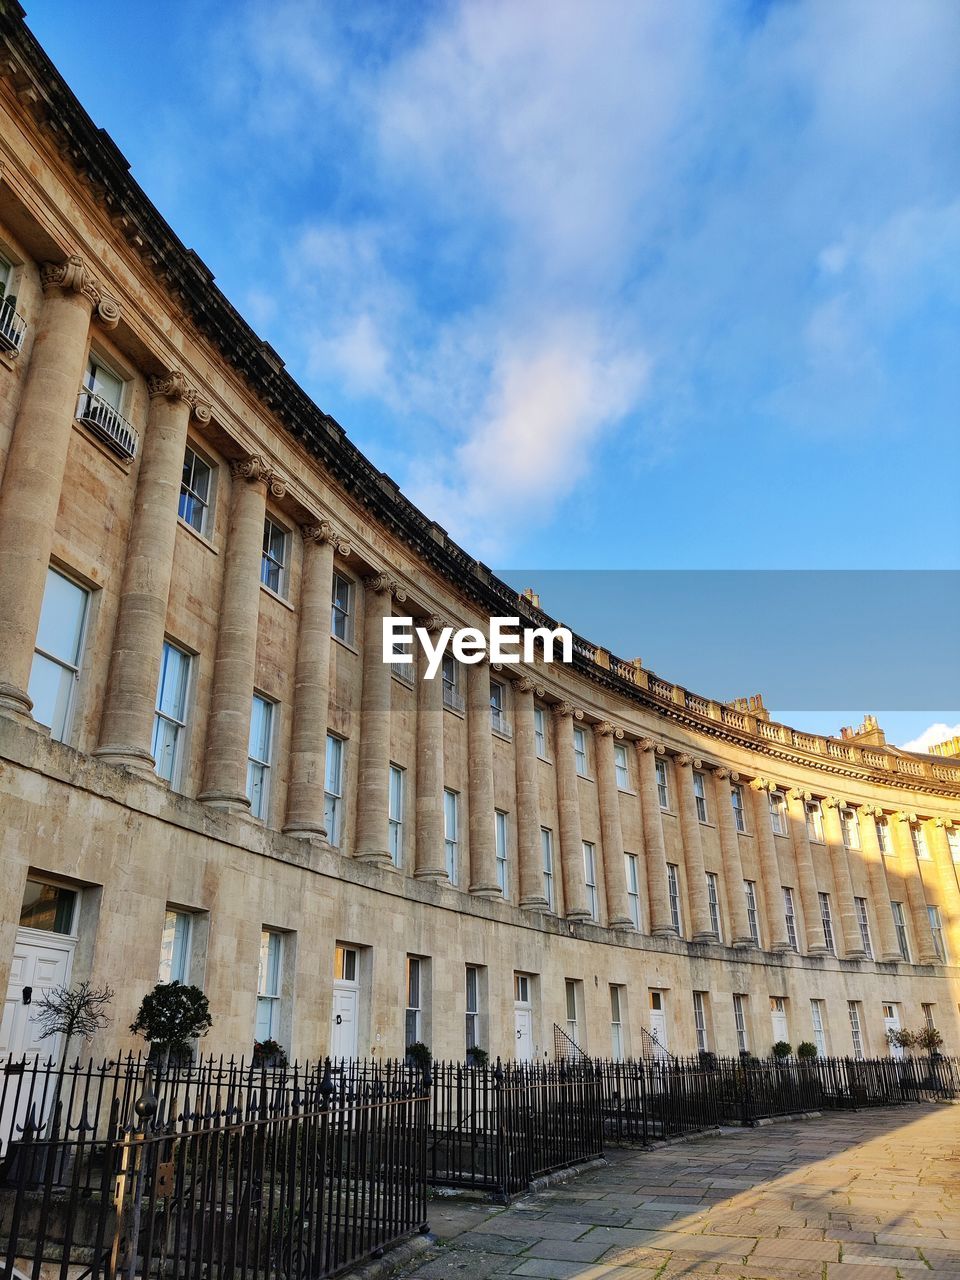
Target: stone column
{"x":482,"y":830}
{"x":611,"y":827}
{"x":36,"y":462}
{"x":913,"y":883}
{"x":228,"y":726}
{"x":732,"y":865}
{"x":126,"y":729}
{"x":693,"y":851}
{"x":568,"y":810}
{"x":771,"y":884}
{"x":529,"y":851}
{"x":949,"y":888}
{"x":888,"y":944}
{"x":374,"y":753}
{"x":431,"y":862}
{"x":833,"y":835}
{"x":661,"y":921}
{"x":311,"y":684}
{"x":806,"y":873}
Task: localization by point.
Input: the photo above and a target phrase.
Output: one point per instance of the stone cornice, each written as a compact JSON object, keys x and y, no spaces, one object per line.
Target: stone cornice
{"x":41,"y":91}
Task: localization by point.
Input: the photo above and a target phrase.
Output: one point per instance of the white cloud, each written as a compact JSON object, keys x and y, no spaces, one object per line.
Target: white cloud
{"x":931,"y":736}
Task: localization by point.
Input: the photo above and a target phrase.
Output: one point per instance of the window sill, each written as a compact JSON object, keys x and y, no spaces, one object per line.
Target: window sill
{"x":124,"y":466}
{"x":502,"y":735}
{"x":545,"y":760}
{"x":346,"y":644}
{"x":705,"y":822}
{"x":455,"y":711}
{"x":625,"y":791}
{"x":194,"y":533}
{"x":585,"y":777}
{"x":269,"y":591}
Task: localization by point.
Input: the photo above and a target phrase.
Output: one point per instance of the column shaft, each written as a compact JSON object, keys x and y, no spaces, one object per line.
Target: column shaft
{"x":771,"y":884}
{"x":807,"y":875}
{"x":732,"y":864}
{"x":228,"y":726}
{"x":611,"y":828}
{"x":126,"y":730}
{"x":483,"y":841}
{"x":431,"y":860}
{"x":661,"y":920}
{"x":568,"y":810}
{"x":374,"y":774}
{"x":888,"y":946}
{"x":693,"y":852}
{"x":311,"y":691}
{"x":33,"y":477}
{"x":529,"y":854}
{"x":833,"y":835}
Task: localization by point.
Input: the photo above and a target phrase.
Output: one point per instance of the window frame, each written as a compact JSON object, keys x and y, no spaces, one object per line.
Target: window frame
{"x":826,"y":920}
{"x":621,"y":766}
{"x":414,"y":1002}
{"x":267,"y":557}
{"x":267,"y":999}
{"x":790,"y":917}
{"x":713,"y":903}
{"x":540,"y":732}
{"x":863,"y":920}
{"x":779,"y":817}
{"x":471,"y":1007}
{"x":502,"y":843}
{"x":396,"y":800}
{"x":900,"y":927}
{"x":338,"y":611}
{"x":262,"y":767}
{"x":631,"y":866}
{"x":739,"y":813}
{"x":935,"y":917}
{"x":181,"y":951}
{"x":451,"y":843}
{"x":700,"y":1022}
{"x":617,"y":1039}
{"x":856,"y":1027}
{"x":849,"y":827}
{"x":819,"y":1026}
{"x":753,"y":914}
{"x":498,"y":708}
{"x":813,"y":817}
{"x":580,"y":751}
{"x":673,"y":897}
{"x":700,"y":796}
{"x":333,"y":789}
{"x":62,"y":731}
{"x":740,"y":1022}
{"x":179,"y":726}
{"x":548,"y":866}
{"x":663,"y":785}
{"x":204,"y":505}
{"x":590,"y":879}
{"x":96,"y":362}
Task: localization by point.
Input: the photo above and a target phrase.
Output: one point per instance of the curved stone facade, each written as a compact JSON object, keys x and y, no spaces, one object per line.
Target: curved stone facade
{"x":532,"y":836}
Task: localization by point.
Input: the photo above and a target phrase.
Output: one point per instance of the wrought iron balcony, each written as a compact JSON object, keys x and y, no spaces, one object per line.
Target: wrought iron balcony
{"x":500,"y":723}
{"x":452,"y":699}
{"x":13,"y":329}
{"x":112,"y":427}
{"x":403,"y":671}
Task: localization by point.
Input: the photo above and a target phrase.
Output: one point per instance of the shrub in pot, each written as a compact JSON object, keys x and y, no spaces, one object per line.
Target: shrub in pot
{"x":170,"y":1017}
{"x":782,"y":1050}
{"x":418,"y":1055}
{"x":806,"y":1051}
{"x":477,"y":1057}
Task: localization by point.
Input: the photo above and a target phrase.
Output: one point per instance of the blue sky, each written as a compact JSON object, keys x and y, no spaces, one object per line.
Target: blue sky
{"x":606,"y":285}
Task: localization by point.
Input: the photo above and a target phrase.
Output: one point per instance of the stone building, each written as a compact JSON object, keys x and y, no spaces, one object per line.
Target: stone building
{"x":207,"y":772}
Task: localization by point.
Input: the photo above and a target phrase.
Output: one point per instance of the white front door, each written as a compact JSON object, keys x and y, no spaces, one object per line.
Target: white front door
{"x":891,"y":1022}
{"x":41,"y":961}
{"x":778,"y":1019}
{"x":343,"y":1034}
{"x":658,"y":1024}
{"x":523,"y":1016}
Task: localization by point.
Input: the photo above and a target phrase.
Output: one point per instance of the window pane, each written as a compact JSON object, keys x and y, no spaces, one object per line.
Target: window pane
{"x":50,"y":688}
{"x":164,"y":747}
{"x":61,"y":618}
{"x":104,"y":383}
{"x":48,"y":907}
{"x":261,"y":721}
{"x":172,"y":693}
{"x":334,"y":760}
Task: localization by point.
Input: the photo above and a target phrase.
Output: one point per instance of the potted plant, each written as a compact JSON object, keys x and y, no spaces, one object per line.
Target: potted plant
{"x":477,"y":1057}
{"x":929,"y":1039}
{"x":782,"y":1050}
{"x":170,"y":1017}
{"x":806,"y":1051}
{"x":900,"y":1038}
{"x":269,"y":1053}
{"x":418,"y":1055}
{"x":70,"y":1012}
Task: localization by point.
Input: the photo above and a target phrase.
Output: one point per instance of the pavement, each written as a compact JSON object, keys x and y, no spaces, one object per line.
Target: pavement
{"x":871,"y":1195}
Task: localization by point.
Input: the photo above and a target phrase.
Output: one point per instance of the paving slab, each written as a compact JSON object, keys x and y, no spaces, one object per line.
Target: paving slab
{"x":866,"y":1196}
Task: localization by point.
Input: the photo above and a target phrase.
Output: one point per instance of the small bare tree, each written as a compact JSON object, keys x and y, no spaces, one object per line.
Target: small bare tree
{"x":71,"y":1012}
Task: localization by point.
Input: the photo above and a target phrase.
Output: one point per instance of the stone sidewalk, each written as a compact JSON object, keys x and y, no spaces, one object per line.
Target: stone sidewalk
{"x":868,"y":1196}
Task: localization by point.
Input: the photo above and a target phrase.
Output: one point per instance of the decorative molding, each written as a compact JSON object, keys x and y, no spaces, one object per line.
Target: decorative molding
{"x":382,"y":582}
{"x":432,"y":623}
{"x":834,"y":802}
{"x":724,"y":773}
{"x":650,"y":744}
{"x":869,"y":810}
{"x":905,"y":815}
{"x":563,"y":709}
{"x":798,"y":793}
{"x":174,"y":386}
{"x":73,"y":276}
{"x":526,"y":684}
{"x":604,"y":729}
{"x":946,"y":823}
{"x":257,"y":469}
{"x":686,"y":761}
{"x":764,"y":784}
{"x":322,"y":531}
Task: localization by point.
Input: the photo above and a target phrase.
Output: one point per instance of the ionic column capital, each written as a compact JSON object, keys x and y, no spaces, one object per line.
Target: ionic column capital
{"x":798,"y":793}
{"x":725,"y":774}
{"x":564,"y":709}
{"x":174,"y":386}
{"x":74,"y":276}
{"x":869,"y":810}
{"x":686,"y":761}
{"x":650,"y":744}
{"x":834,"y":802}
{"x":256,"y":468}
{"x":382,"y":584}
{"x":604,"y":729}
{"x":321,"y":532}
{"x":904,"y":815}
{"x":945,"y":823}
{"x":432,"y":623}
{"x":763,"y":784}
{"x":526,"y":684}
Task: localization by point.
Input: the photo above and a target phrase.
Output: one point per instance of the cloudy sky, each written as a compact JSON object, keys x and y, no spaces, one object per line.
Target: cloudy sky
{"x":609,"y":284}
